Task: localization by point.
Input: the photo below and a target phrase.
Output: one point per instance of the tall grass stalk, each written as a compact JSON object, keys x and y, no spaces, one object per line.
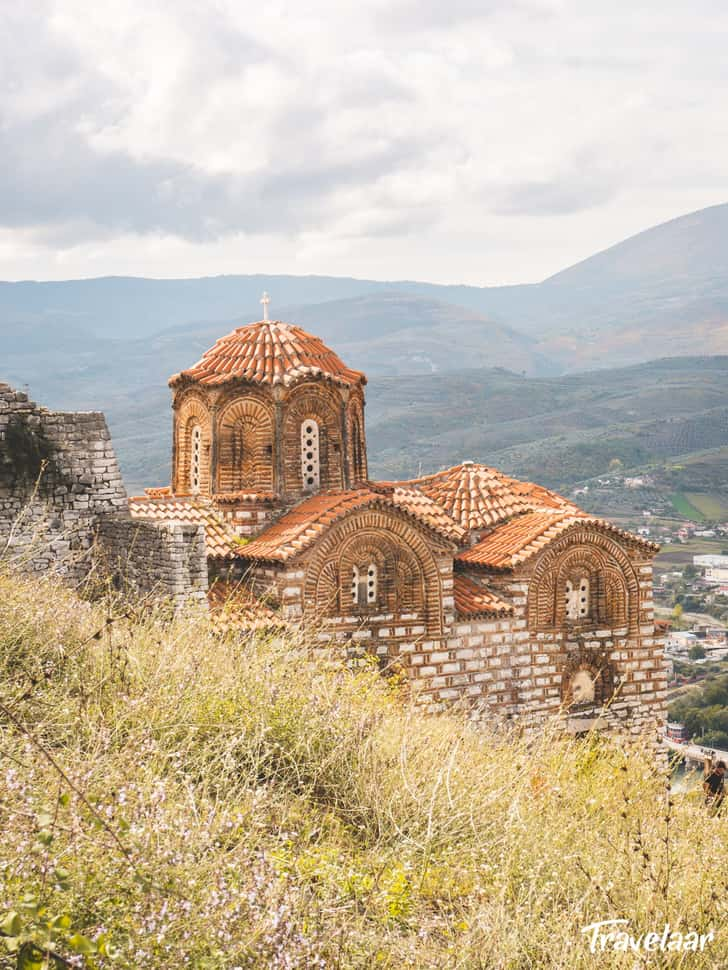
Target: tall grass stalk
{"x":174,"y":797}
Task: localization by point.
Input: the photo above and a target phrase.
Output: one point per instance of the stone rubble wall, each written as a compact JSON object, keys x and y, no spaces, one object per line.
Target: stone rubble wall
{"x":165,"y":559}
{"x":62,"y":500}
{"x":47,"y":517}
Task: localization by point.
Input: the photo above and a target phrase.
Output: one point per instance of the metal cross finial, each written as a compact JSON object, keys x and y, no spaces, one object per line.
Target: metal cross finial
{"x":265,"y":300}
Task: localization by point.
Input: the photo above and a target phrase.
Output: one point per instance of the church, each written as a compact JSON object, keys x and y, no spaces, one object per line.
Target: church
{"x":484,"y":591}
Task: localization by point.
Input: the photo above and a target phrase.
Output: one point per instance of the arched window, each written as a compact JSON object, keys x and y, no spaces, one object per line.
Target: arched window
{"x":195,"y":458}
{"x":371,"y":584}
{"x":577,"y":598}
{"x":364,"y":585}
{"x":310,"y":462}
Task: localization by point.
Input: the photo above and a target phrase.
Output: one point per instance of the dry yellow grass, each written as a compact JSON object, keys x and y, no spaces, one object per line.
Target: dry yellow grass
{"x":173,"y":798}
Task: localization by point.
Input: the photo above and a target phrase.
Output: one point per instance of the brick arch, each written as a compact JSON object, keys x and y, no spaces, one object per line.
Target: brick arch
{"x":400,"y":579}
{"x":245,"y":445}
{"x":191,"y":411}
{"x":598,"y":666}
{"x":614,"y":587}
{"x":358,"y":470}
{"x":409,"y":561}
{"x":313,"y":401}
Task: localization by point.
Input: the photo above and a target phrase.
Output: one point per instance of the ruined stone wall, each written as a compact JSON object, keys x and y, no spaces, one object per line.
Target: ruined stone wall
{"x":58,"y":474}
{"x":165,"y":559}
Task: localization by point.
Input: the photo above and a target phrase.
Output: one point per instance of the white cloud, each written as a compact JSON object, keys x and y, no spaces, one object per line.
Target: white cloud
{"x":479,"y":141}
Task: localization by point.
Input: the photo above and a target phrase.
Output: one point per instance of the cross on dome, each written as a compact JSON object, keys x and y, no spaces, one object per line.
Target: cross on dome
{"x":265,"y":300}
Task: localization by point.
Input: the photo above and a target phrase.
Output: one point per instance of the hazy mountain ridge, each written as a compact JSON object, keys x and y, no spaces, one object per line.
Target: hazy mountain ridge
{"x":664,"y":290}
{"x":112,"y":343}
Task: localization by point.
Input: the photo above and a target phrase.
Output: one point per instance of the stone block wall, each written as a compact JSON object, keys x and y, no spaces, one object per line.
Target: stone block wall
{"x":165,"y":559}
{"x":58,"y":474}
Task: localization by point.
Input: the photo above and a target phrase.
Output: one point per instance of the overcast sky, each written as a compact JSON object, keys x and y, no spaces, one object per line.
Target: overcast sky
{"x":478,"y":141}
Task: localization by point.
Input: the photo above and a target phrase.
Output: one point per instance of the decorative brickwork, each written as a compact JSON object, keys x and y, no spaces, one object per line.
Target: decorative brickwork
{"x":245,"y":449}
{"x":192,"y":420}
{"x":491,"y":593}
{"x":318,"y":404}
{"x":358,"y":470}
{"x":584,"y":554}
{"x":407,"y":578}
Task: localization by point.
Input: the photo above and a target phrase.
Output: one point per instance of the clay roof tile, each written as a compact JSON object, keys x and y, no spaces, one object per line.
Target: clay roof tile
{"x":296,"y":530}
{"x":512,"y":543}
{"x":269,"y":352}
{"x":221,"y":543}
{"x":472,"y":599}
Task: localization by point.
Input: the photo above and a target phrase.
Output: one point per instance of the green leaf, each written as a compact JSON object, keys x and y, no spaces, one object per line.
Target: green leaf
{"x":81,"y":944}
{"x":45,"y":837}
{"x":106,"y":947}
{"x":31,"y":957}
{"x":62,"y":922}
{"x":65,"y":799}
{"x":62,"y":877}
{"x":12,"y":924}
{"x":44,"y":819}
{"x":30,"y":906}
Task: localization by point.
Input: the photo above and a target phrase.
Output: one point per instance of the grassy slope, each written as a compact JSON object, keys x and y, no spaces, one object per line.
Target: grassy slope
{"x":233,"y":803}
{"x":684,"y":506}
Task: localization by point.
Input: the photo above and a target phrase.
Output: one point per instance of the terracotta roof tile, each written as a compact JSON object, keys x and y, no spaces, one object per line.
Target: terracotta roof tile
{"x":269,"y":352}
{"x":512,"y":543}
{"x":300,"y":527}
{"x":233,"y":606}
{"x":160,"y":492}
{"x":221,"y":544}
{"x":540,"y":497}
{"x":477,"y":496}
{"x":471,"y":599}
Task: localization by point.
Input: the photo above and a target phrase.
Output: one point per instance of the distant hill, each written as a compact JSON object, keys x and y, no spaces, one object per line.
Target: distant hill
{"x":664,"y":291}
{"x":455,"y":370}
{"x":683,"y":250}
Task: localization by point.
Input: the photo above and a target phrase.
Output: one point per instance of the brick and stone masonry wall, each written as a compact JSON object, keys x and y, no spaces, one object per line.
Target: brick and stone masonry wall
{"x":498,"y":666}
{"x":167,"y":559}
{"x":503,"y":668}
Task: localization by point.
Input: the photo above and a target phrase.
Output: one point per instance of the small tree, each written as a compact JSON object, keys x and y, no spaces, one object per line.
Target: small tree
{"x":696,"y":652}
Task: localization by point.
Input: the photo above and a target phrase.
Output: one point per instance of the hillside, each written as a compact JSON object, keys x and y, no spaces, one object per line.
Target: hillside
{"x":558,"y":430}
{"x":689,"y":248}
{"x":175,"y":798}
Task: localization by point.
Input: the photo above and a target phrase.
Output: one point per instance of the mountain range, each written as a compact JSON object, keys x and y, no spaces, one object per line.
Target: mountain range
{"x":111,"y":343}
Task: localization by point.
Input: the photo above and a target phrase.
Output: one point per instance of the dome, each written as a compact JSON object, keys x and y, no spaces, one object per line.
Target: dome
{"x":268,"y":352}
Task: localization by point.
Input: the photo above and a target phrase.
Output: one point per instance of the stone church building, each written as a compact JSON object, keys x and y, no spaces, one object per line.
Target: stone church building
{"x":482,"y":589}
